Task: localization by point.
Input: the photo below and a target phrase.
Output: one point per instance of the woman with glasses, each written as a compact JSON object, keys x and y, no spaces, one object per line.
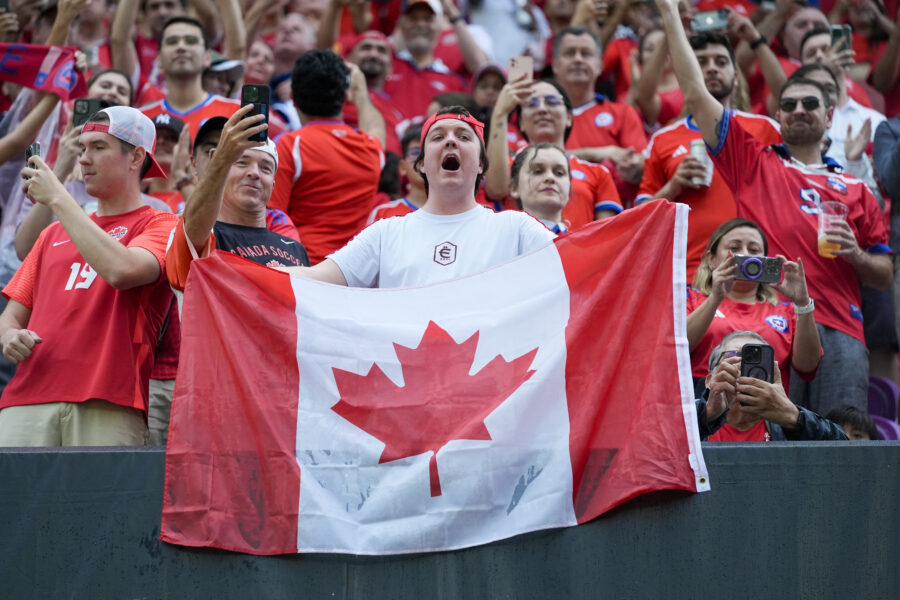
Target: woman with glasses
{"x":543,"y":113}
{"x":726,"y":298}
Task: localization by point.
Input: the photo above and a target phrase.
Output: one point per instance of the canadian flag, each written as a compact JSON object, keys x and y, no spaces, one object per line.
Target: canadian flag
{"x":539,"y":393}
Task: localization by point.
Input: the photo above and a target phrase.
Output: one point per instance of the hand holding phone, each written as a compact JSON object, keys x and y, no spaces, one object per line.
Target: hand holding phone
{"x":520,"y":66}
{"x":758,"y":361}
{"x":711,"y":20}
{"x":258,"y":96}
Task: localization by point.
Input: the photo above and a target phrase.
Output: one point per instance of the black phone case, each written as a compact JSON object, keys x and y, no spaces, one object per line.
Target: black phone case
{"x":767,"y":362}
{"x":260,"y":101}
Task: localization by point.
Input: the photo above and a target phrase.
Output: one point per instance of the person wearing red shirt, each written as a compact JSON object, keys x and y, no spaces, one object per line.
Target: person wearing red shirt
{"x":184,"y":54}
{"x":781,"y":188}
{"x":418,"y":76}
{"x":603,"y":131}
{"x":544,"y":114}
{"x":328,"y":173}
{"x":720,"y":303}
{"x":746,"y":409}
{"x":670,"y":171}
{"x":371,"y":52}
{"x":86,"y":307}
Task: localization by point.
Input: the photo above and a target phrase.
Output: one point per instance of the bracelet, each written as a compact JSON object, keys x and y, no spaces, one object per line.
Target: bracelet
{"x":805,"y":310}
{"x":758,"y":42}
{"x":455,"y":20}
{"x":183,"y":181}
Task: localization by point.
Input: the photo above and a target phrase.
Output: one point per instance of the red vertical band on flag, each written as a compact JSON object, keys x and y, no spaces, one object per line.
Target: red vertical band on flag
{"x":232,"y":478}
{"x":628,"y":431}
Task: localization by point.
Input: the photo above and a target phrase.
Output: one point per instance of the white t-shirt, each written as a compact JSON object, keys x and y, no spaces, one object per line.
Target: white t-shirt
{"x":422,"y":247}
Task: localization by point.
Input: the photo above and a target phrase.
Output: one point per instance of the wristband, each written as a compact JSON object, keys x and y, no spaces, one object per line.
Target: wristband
{"x":455,"y":20}
{"x":758,"y":42}
{"x":805,"y":310}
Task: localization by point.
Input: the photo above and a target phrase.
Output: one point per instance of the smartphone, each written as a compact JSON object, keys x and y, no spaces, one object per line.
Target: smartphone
{"x":32,"y":150}
{"x":758,"y":361}
{"x":521,"y":65}
{"x":258,"y":96}
{"x":711,"y":20}
{"x":4,"y":6}
{"x":85,"y":107}
{"x":841,"y":33}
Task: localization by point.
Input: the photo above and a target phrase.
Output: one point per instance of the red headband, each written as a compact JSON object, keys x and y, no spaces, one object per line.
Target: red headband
{"x":477,"y":125}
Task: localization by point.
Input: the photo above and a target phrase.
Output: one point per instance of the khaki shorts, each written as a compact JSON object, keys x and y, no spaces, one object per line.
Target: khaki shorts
{"x":90,"y":423}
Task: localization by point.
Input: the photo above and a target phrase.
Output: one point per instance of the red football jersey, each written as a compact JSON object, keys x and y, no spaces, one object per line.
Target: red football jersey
{"x":97,"y":341}
{"x":783,"y":196}
{"x":710,"y":207}
{"x":776,"y":323}
{"x":601,"y":122}
{"x":326,"y":182}
{"x":213,"y":106}
{"x":412,"y":88}
{"x":394,"y":208}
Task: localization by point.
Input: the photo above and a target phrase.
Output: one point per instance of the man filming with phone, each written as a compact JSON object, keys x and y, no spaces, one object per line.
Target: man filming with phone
{"x":744,"y":386}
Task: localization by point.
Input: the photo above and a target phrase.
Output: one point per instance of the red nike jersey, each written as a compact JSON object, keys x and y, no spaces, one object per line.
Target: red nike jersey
{"x":97,"y":341}
{"x":213,"y":106}
{"x":710,"y":207}
{"x":783,"y":196}
{"x":326,"y":182}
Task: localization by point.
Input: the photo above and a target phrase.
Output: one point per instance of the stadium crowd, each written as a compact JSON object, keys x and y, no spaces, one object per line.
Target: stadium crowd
{"x":396,"y":125}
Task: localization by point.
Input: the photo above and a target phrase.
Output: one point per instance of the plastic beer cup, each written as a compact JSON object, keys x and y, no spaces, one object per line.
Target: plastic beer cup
{"x":829,"y":212}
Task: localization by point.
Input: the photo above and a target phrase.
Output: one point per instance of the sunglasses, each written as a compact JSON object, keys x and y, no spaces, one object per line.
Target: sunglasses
{"x":810,"y":103}
{"x":535,"y":101}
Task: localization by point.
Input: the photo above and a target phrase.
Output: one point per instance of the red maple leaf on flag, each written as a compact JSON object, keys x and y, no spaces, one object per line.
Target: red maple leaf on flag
{"x":439,"y":402}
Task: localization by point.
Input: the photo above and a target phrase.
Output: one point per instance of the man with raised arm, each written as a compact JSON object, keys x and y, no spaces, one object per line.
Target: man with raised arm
{"x":451,"y":235}
{"x":781,"y":187}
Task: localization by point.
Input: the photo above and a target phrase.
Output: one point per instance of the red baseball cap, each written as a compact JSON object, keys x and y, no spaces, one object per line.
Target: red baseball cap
{"x":371,"y":34}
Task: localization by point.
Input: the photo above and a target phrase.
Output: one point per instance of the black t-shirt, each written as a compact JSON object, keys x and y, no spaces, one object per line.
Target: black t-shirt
{"x":260,"y":245}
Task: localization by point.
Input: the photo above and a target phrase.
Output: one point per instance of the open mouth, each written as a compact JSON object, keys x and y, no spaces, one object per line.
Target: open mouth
{"x":450,"y":163}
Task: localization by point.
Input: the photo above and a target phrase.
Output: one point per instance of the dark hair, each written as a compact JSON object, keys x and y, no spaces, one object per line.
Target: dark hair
{"x":97,"y":75}
{"x":703,"y":275}
{"x":417,"y":165}
{"x":527,"y":154}
{"x":699,"y":41}
{"x":125,"y":147}
{"x":186,"y":21}
{"x":575,"y":30}
{"x":457,"y":99}
{"x":389,"y":182}
{"x":818,"y":29}
{"x":804,"y":70}
{"x":792,"y":81}
{"x":562,"y":92}
{"x":143,"y":5}
{"x":850,"y":415}
{"x":640,"y":53}
{"x":319,"y":83}
{"x":412,"y":134}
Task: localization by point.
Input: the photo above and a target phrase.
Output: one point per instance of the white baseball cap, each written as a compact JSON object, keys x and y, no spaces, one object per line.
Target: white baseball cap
{"x":131,"y":126}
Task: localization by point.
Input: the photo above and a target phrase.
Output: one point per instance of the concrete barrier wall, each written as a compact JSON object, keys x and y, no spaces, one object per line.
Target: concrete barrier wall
{"x":782,"y":521}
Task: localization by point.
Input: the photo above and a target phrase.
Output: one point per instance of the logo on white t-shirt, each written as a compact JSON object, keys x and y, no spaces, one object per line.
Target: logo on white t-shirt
{"x":445,"y":253}
{"x":603,"y":119}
